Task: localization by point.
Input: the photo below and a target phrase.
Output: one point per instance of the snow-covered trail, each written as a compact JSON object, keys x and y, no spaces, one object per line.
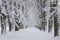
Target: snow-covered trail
{"x":30,"y":33}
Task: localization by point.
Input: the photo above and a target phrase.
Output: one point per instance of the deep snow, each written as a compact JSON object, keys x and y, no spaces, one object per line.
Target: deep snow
{"x":30,"y":33}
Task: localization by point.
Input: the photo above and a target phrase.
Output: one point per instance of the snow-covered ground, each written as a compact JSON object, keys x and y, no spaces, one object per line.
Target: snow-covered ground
{"x":30,"y":33}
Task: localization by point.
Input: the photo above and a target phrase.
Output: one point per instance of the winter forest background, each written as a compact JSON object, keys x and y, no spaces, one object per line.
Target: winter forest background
{"x":16,"y":15}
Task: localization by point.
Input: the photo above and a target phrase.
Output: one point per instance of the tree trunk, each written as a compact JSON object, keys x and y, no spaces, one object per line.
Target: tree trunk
{"x":9,"y":23}
{"x":56,"y":25}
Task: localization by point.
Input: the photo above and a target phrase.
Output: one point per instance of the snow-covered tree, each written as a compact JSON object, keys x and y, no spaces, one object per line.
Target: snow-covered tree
{"x":3,"y":19}
{"x":54,"y":17}
{"x":41,"y":6}
{"x":56,"y":25}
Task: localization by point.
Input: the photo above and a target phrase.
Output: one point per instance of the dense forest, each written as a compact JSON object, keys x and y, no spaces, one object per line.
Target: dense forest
{"x":20,"y":14}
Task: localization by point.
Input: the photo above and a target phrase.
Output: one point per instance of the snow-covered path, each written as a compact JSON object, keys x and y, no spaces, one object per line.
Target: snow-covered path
{"x":28,"y":34}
